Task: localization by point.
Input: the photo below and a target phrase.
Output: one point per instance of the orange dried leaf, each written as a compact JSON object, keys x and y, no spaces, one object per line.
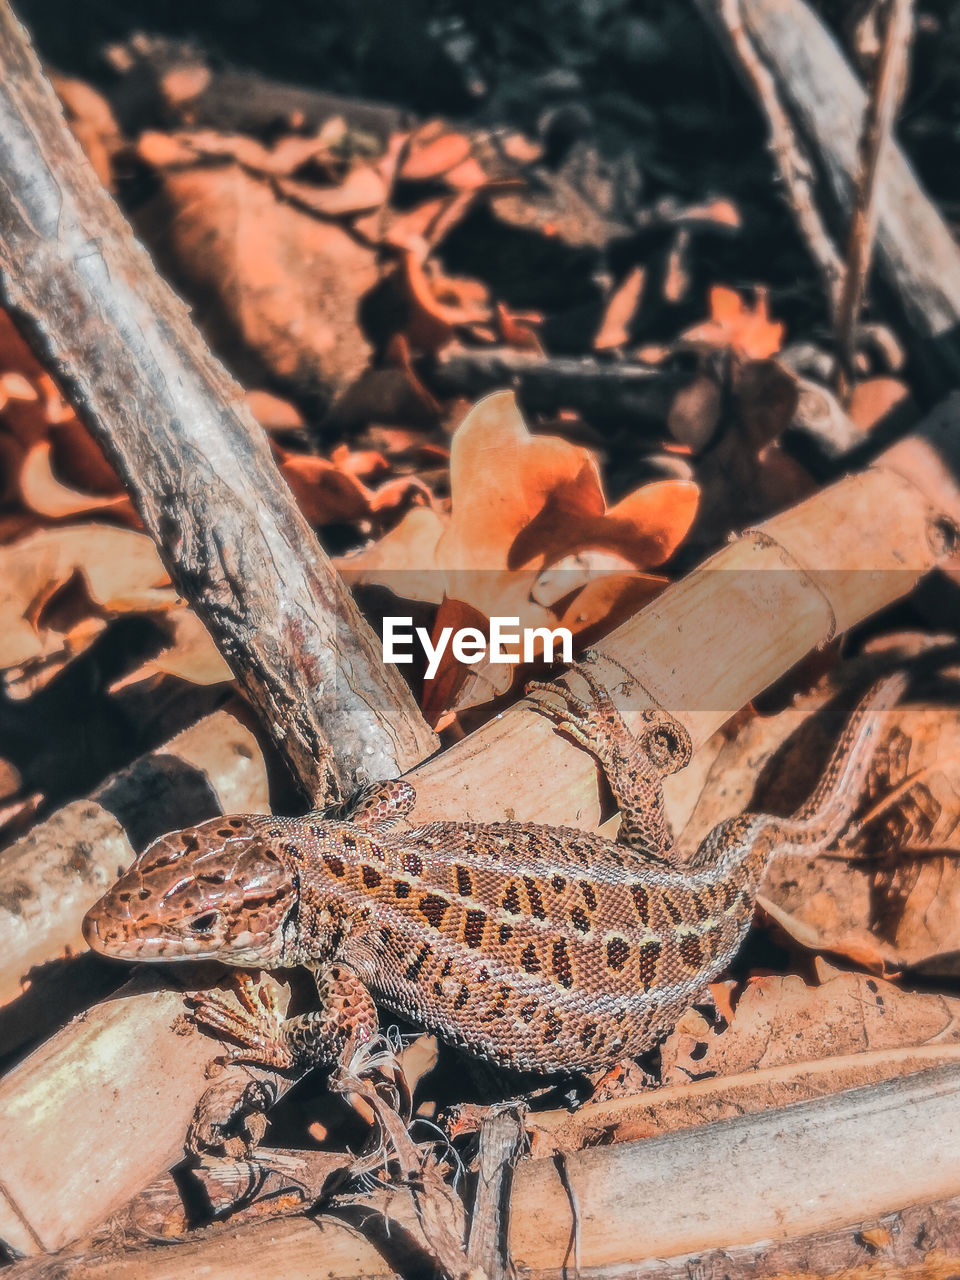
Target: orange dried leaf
{"x":43,"y":493}
{"x":873,"y":399}
{"x":614,"y":329}
{"x":735,"y":324}
{"x":432,"y":151}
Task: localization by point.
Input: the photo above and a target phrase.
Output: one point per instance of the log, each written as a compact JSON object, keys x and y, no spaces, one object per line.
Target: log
{"x":916,"y":253}
{"x":702,"y":649}
{"x":660,"y":1206}
{"x":65,"y":863}
{"x":197,"y":465}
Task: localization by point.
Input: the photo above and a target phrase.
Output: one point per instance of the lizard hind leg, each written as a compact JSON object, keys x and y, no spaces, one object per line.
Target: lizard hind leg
{"x":377,"y":806}
{"x":634,"y":764}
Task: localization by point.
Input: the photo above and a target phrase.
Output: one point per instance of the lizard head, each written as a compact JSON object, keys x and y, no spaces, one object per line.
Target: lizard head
{"x":221,"y":890}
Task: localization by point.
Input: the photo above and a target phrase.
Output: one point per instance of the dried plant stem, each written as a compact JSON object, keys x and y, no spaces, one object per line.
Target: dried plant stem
{"x":794,"y":165}
{"x":878,"y":122}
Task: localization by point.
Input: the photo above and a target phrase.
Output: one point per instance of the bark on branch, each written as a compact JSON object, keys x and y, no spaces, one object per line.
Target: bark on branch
{"x":197,"y":465}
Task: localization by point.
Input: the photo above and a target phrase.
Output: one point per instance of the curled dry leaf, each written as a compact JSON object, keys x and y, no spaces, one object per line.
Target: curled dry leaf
{"x":434,"y":151}
{"x":520,"y":504}
{"x":58,"y":587}
{"x":889,"y":897}
{"x":621,"y":307}
{"x":191,"y":654}
{"x":873,"y":399}
{"x":43,"y":493}
{"x":275,"y":288}
{"x":331,"y":492}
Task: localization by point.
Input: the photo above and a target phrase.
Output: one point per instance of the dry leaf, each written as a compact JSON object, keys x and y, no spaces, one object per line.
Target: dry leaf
{"x":520,"y":503}
{"x":276,"y":289}
{"x":873,"y":399}
{"x":780,"y":1020}
{"x":734,"y":323}
{"x":120,"y":568}
{"x":43,"y":493}
{"x":614,"y":329}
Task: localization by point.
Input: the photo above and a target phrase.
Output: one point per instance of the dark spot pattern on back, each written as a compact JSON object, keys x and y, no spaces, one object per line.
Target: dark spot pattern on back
{"x":558,"y":883}
{"x":511,"y":899}
{"x":580,"y":920}
{"x":618,"y":953}
{"x":505,"y":934}
{"x":702,"y":906}
{"x":535,"y":898}
{"x":401,"y":889}
{"x":691,"y":951}
{"x":433,"y":908}
{"x":641,"y":900}
{"x":464,"y":881}
{"x":473,"y":929}
{"x":562,"y":969}
{"x":529,"y":960}
{"x":649,"y":955}
{"x":335,"y":865}
{"x":371,"y":876}
{"x":671,"y":908}
{"x":552,"y":1026}
{"x":417,"y":963}
{"x":589,"y":895}
{"x":412,"y":863}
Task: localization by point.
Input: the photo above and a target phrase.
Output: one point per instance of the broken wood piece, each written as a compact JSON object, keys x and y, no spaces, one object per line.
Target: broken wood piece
{"x":813,"y":1166}
{"x":882,"y":107}
{"x":827,"y":1165}
{"x":65,"y":863}
{"x":198,"y":467}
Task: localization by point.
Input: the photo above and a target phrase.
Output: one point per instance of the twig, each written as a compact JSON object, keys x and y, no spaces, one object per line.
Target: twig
{"x":602,"y":390}
{"x":795,"y":167}
{"x":878,"y":122}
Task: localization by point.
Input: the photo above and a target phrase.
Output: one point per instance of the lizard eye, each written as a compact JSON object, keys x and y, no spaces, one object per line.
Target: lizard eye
{"x":204,"y":923}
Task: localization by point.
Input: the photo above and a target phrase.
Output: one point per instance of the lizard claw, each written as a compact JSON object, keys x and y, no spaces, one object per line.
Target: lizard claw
{"x":251,"y":1015}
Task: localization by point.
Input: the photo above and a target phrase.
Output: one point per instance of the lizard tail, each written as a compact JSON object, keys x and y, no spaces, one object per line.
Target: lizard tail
{"x":828,"y":811}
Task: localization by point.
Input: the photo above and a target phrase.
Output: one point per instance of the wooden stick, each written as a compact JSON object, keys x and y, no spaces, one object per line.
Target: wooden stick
{"x":812,"y":1166}
{"x":197,"y":465}
{"x":915,"y":250}
{"x":660,"y":1205}
{"x":64,"y":864}
{"x":794,"y":165}
{"x":603,"y":391}
{"x":878,"y":122}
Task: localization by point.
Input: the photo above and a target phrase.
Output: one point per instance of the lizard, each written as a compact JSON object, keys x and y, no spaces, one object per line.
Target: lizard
{"x":547,"y":949}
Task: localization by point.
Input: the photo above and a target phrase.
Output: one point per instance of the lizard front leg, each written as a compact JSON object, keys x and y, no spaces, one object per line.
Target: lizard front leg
{"x":634,"y":764}
{"x":326,"y":1036}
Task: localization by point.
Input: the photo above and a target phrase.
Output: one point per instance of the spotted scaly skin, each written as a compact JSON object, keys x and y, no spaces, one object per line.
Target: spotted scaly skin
{"x":541,"y":948}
